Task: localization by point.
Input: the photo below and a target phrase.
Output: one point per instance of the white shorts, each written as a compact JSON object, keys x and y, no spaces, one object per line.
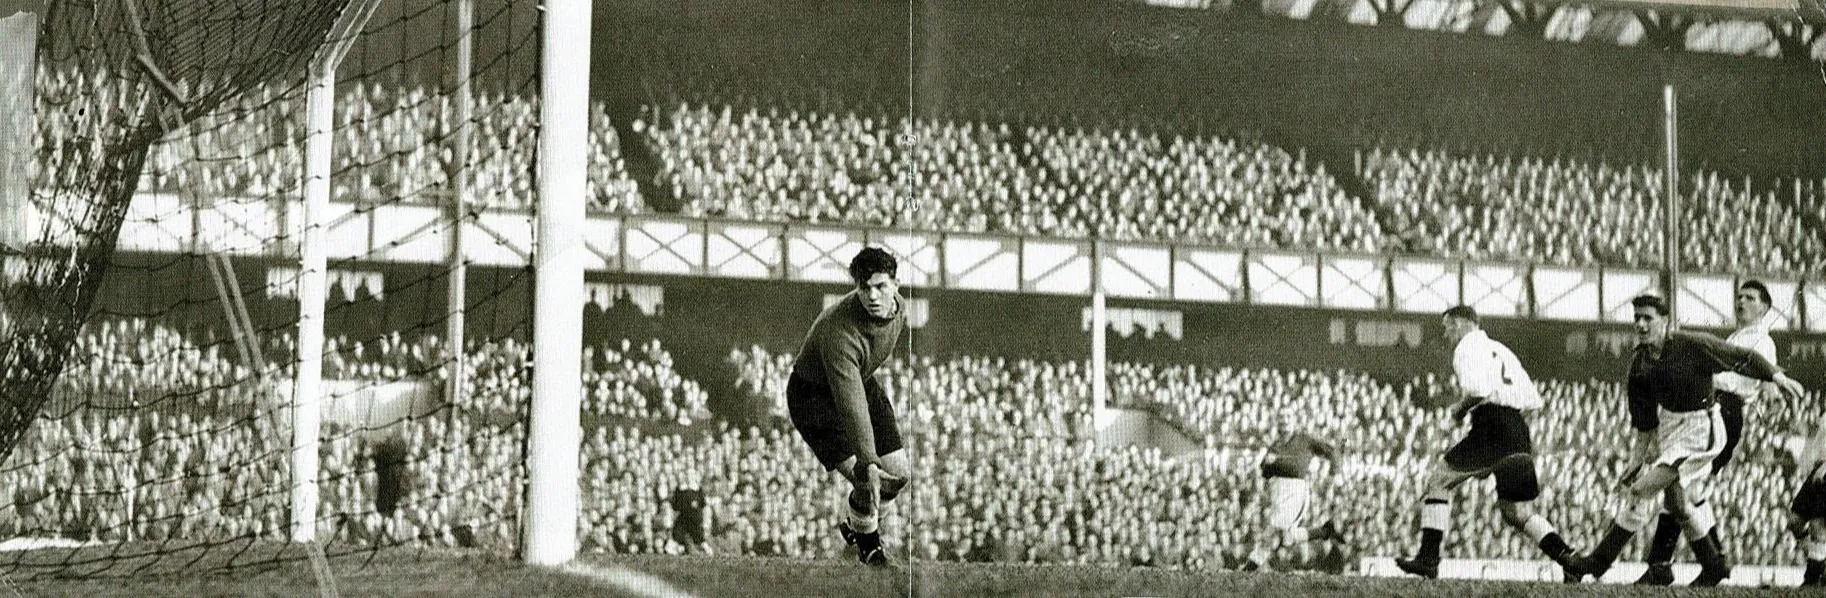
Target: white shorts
{"x":1689,"y":442}
{"x":1287,"y":498}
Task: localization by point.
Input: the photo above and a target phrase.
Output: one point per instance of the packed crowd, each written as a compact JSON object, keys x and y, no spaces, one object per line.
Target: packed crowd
{"x":1567,"y":212}
{"x":1130,"y":185}
{"x":1004,"y":448}
{"x":390,"y":144}
{"x":975,"y":176}
{"x":393,"y":144}
{"x":153,"y":435}
{"x":1133,"y":186}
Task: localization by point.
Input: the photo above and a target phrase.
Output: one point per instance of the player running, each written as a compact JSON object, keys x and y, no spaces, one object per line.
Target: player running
{"x":1286,"y":466}
{"x":1732,"y":390}
{"x":1671,"y":406}
{"x":839,"y":408}
{"x":1494,"y":390}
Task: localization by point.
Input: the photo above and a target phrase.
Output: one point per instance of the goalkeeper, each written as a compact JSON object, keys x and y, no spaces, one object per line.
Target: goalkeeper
{"x":841,"y":410}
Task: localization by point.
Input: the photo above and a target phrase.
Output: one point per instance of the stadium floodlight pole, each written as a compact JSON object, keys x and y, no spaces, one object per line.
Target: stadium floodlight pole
{"x":313,"y":264}
{"x":1670,"y":218}
{"x":554,"y":434}
{"x":456,"y":254}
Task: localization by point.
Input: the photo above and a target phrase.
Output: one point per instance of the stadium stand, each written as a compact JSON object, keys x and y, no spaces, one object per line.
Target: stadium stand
{"x":1564,"y":212}
{"x":765,"y":164}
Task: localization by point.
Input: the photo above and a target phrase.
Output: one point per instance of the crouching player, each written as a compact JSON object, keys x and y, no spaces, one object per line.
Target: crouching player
{"x":839,"y":408}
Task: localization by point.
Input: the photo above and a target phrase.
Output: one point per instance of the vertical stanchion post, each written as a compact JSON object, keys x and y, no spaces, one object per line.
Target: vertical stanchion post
{"x":1670,"y":250}
{"x":456,"y":252}
{"x":1100,"y":325}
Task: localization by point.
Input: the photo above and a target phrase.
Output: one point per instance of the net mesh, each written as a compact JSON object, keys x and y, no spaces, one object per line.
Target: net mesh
{"x":146,"y":415}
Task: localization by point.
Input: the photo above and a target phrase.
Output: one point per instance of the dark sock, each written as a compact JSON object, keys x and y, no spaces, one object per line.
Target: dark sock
{"x":1812,"y":575}
{"x":1555,"y":546}
{"x":1667,"y":538}
{"x":1614,"y":540}
{"x":1430,"y":539}
{"x":1709,"y":552}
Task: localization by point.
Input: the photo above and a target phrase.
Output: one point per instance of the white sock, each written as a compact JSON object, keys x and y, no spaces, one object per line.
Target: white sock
{"x":1537,"y":528}
{"x":860,"y":522}
{"x":1435,"y":515}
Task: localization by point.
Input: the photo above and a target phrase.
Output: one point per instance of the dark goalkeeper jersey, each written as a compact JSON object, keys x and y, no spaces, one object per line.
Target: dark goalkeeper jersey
{"x":846,"y":345}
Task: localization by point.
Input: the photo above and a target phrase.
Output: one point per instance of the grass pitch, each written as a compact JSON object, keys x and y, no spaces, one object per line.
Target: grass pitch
{"x":283,"y":571}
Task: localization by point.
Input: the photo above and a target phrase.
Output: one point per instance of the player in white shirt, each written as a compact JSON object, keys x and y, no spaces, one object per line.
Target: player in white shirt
{"x":1732,"y":390}
{"x":1494,"y":390}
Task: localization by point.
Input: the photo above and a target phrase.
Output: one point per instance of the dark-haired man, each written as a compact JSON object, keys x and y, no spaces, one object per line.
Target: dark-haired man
{"x":839,"y":408}
{"x":1679,"y":433}
{"x":1732,"y":390}
{"x":1494,"y":390}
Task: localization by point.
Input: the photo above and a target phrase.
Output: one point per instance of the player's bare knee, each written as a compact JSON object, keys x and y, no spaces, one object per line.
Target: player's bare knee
{"x":1653,"y":481}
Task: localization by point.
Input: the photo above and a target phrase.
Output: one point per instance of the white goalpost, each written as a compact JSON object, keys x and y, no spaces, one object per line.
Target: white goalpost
{"x":554,"y":434}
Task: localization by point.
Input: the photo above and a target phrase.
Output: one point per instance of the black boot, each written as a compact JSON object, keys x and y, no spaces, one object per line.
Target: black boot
{"x":1660,"y":557}
{"x":868,"y":546}
{"x":868,"y":549}
{"x":1426,"y":563}
{"x":1811,"y":577}
{"x":1712,"y":566}
{"x":1598,"y":561}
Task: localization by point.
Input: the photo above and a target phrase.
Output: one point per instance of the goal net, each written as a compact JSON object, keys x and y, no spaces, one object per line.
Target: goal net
{"x":150,"y":308}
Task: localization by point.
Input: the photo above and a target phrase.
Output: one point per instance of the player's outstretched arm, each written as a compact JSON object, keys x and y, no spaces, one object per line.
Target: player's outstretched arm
{"x":1727,"y":357}
{"x":1325,"y":450}
{"x":1789,"y":386}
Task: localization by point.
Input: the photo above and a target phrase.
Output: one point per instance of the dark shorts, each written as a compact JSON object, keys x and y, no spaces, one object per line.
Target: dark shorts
{"x":1810,"y":502}
{"x":1276,"y":468}
{"x":814,"y":413}
{"x":1498,"y":444}
{"x":689,"y":534}
{"x":1731,"y":409}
